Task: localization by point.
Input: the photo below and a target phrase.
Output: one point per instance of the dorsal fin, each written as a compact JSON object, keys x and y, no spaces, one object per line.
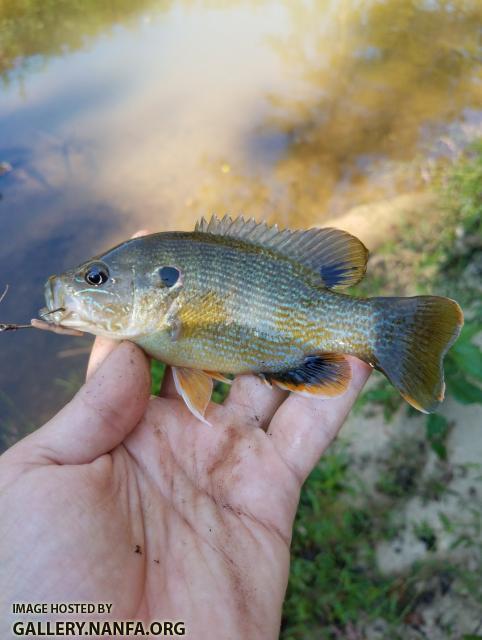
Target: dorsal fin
{"x":338,"y":257}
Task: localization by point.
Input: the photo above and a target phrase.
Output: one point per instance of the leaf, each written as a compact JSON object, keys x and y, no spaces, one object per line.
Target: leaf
{"x":469,"y":331}
{"x":437,"y":425}
{"x":463,"y":390}
{"x":446,"y":522}
{"x":469,"y":358}
{"x":439,"y":449}
{"x":436,"y":429}
{"x":157,"y":375}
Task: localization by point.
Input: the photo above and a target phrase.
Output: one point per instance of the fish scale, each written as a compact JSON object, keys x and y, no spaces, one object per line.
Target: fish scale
{"x":256,"y":291}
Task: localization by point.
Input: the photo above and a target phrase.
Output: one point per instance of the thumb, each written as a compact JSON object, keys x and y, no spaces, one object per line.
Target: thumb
{"x":101,"y":414}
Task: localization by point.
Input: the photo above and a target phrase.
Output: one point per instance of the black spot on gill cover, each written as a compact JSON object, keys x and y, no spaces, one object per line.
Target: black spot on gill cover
{"x":169,"y":276}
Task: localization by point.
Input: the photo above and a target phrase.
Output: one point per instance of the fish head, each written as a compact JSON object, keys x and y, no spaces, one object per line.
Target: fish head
{"x":120,"y":294}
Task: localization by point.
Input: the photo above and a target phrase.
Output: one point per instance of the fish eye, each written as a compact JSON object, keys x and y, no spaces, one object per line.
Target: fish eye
{"x":169,"y":276}
{"x":96,"y":275}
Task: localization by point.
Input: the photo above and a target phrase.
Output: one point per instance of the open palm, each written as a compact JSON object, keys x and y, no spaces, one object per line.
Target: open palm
{"x":128,"y":499}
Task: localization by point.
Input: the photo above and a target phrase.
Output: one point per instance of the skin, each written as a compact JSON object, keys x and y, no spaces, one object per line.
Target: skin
{"x":128,"y":499}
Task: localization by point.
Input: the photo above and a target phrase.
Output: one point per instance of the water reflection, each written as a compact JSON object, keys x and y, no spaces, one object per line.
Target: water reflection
{"x":122,"y":115}
{"x":381,"y":90}
{"x":32,"y":31}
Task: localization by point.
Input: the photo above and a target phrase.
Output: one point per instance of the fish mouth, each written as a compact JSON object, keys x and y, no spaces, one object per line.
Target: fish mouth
{"x":55,"y":312}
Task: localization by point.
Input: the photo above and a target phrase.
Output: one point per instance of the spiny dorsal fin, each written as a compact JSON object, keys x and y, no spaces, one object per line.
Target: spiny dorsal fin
{"x":338,"y":257}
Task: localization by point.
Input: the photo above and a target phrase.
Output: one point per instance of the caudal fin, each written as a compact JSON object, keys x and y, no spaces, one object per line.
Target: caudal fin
{"x":413,"y":336}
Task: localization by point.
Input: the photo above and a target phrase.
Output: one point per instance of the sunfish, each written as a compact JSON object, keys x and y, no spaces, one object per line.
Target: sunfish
{"x":236,"y":296}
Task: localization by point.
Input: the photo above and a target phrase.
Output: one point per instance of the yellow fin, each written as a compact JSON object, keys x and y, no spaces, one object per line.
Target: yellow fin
{"x":195,"y":387}
{"x":219,"y":377}
{"x":326,"y":374}
{"x":413,"y":336}
{"x":336,"y":256}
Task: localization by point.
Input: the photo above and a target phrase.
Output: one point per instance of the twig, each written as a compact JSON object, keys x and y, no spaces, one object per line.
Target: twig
{"x":38,"y":324}
{"x":9,"y":326}
{"x":14,"y":327}
{"x":4,"y":293}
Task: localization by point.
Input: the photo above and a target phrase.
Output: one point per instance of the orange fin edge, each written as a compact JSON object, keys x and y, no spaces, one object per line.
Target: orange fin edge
{"x":195,"y":388}
{"x":324,"y":375}
{"x":219,"y":377}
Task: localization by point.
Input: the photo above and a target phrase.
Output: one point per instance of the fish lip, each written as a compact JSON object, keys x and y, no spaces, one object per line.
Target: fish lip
{"x":49,"y":294}
{"x":52,"y":293}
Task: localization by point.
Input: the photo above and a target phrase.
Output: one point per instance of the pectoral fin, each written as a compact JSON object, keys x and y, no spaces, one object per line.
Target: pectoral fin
{"x":195,"y":387}
{"x":326,"y":374}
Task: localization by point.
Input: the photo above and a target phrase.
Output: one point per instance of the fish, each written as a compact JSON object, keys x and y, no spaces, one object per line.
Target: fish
{"x":237,"y":296}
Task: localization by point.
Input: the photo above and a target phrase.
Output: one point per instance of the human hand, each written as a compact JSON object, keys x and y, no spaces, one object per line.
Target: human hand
{"x":128,"y":499}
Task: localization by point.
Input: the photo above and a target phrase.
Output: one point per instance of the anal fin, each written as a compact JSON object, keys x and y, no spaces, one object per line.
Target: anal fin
{"x":325,"y":374}
{"x":195,"y":387}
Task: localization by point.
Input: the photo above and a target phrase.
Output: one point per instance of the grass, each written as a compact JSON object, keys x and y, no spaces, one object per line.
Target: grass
{"x":333,"y":579}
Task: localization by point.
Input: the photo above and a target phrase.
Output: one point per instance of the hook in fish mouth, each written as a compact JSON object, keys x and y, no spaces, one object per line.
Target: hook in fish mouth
{"x":55,"y":303}
{"x":45,"y":312}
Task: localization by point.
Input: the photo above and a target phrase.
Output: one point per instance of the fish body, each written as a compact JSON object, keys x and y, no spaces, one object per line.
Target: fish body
{"x":238,"y":297}
{"x":243,"y":311}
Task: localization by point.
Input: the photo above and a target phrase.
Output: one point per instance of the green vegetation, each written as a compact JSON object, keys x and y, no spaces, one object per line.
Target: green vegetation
{"x":444,"y":256}
{"x":336,"y":589}
{"x":333,"y":576}
{"x":158,"y":369}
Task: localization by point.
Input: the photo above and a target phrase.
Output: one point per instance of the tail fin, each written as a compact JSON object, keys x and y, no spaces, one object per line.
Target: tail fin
{"x":413,"y":336}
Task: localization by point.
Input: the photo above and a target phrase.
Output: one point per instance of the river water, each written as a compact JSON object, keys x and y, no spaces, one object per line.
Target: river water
{"x":118,"y":115}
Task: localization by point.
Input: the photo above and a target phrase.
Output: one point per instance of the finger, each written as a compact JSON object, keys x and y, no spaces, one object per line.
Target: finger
{"x":101,"y":414}
{"x":302,"y":428}
{"x":252,"y":399}
{"x":102,"y":347}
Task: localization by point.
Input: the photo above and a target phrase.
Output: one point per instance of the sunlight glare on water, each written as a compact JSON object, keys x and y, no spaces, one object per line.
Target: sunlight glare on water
{"x":151,"y":114}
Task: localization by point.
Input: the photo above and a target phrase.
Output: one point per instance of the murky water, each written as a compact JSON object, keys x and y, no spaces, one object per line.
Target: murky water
{"x":121,"y":115}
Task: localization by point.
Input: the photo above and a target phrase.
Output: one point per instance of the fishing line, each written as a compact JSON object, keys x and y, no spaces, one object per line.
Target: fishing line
{"x":8,"y":326}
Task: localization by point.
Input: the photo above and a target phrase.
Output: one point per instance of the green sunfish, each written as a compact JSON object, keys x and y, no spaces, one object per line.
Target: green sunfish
{"x":237,"y":296}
